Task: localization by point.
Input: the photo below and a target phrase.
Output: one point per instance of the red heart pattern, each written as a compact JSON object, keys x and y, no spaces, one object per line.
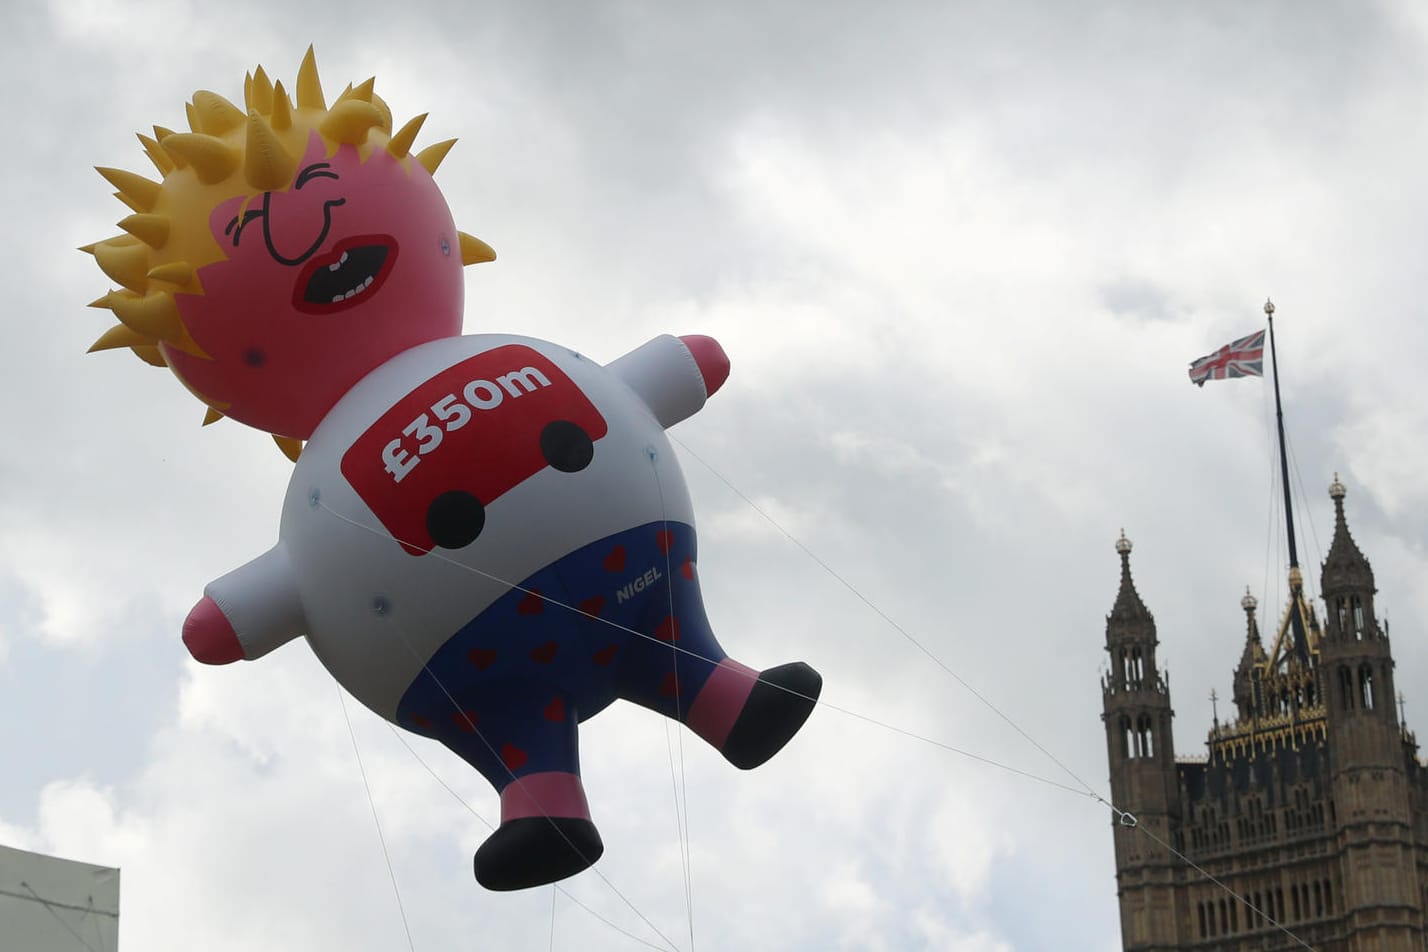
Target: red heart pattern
{"x":465,"y":720}
{"x":513,"y":757}
{"x":532,"y":604}
{"x":668,"y":629}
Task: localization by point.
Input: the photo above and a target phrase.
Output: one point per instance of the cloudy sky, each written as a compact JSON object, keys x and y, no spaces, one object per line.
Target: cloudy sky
{"x":960,"y":254}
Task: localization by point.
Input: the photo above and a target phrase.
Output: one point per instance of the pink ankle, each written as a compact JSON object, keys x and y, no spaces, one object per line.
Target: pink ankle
{"x":714,"y":711}
{"x":552,"y":793}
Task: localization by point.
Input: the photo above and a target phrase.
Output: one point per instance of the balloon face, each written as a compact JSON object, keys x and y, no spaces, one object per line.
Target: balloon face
{"x":352,"y":263}
{"x":290,"y":248}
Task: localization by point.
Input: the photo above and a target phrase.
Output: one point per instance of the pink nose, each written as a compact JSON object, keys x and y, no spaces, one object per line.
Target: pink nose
{"x":713,"y":362}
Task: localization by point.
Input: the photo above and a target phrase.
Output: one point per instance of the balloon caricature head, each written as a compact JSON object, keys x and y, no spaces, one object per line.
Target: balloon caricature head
{"x":289,"y":249}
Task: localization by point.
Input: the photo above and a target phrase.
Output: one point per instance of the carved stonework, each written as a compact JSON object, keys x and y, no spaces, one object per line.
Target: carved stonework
{"x":1310,"y":803}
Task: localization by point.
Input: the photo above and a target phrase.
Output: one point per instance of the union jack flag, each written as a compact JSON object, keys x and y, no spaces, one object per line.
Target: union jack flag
{"x":1240,"y":358}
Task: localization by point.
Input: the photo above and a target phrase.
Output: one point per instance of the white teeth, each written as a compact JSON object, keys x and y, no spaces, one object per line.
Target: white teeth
{"x":366,"y":282}
{"x":357,"y":290}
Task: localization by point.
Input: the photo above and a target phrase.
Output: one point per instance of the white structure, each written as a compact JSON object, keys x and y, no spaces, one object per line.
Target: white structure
{"x":55,"y":905}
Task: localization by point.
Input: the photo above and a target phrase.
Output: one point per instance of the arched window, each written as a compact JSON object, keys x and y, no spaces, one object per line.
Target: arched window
{"x":1125,"y":734}
{"x":1366,"y":686}
{"x":1318,"y":899}
{"x":1328,"y":899}
{"x":1358,"y":609}
{"x":1346,"y":689}
{"x":1137,"y":667}
{"x":1145,"y":736}
{"x":1204,"y":933}
{"x":1341,"y":607}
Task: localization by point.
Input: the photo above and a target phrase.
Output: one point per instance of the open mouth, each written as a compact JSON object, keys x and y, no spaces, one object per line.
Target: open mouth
{"x":354,"y":269}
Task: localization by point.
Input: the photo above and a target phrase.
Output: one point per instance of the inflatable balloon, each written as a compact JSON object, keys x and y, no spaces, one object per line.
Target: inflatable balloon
{"x":487,"y":538}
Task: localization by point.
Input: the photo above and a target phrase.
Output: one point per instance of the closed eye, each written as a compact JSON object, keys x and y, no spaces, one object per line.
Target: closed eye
{"x":316,"y":170}
{"x":235,"y":227}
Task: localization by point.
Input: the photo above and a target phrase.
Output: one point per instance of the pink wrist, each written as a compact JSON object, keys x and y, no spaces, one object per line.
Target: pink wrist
{"x":208,"y":635}
{"x":713,"y":363}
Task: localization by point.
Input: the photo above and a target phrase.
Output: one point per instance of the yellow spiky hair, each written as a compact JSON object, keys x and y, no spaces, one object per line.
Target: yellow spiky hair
{"x":229,"y":152}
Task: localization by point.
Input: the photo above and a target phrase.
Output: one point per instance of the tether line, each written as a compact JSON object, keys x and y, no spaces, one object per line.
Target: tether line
{"x":491,"y":826}
{"x":556,"y":603}
{"x":1126,"y":818}
{"x":927,"y":652}
{"x":381,"y":838}
{"x":681,"y":786}
{"x":553,"y":896}
{"x":1129,"y":819}
{"x":1085,"y":791}
{"x":590,"y":865}
{"x":50,"y":908}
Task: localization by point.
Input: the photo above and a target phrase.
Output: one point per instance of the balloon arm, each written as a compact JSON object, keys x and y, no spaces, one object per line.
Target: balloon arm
{"x":673,"y":375}
{"x":259,"y":604}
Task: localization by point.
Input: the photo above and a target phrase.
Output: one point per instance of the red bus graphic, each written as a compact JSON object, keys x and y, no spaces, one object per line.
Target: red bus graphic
{"x":432,"y":463}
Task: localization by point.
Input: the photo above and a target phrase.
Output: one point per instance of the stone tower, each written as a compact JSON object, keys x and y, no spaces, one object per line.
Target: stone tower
{"x":1310,"y":806}
{"x":1136,"y":712}
{"x":1369,"y":777}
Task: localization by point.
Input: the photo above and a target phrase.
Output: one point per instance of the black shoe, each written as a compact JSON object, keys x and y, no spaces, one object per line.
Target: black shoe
{"x":780,"y":702}
{"x":536,"y":850}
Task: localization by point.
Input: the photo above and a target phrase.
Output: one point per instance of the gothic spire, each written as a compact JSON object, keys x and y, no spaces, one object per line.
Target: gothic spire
{"x":1345,"y":567}
{"x":1254,"y":647}
{"x":1129,"y":618}
{"x":1251,"y":660}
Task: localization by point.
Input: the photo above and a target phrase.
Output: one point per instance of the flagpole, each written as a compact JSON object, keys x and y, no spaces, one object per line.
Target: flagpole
{"x":1283,"y":458}
{"x":1296,"y":580}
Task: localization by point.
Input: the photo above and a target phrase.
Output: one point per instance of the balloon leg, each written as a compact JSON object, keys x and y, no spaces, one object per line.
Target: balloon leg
{"x":545,"y":834}
{"x":524,"y":740}
{"x":748,"y":715}
{"x":678,"y":668}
